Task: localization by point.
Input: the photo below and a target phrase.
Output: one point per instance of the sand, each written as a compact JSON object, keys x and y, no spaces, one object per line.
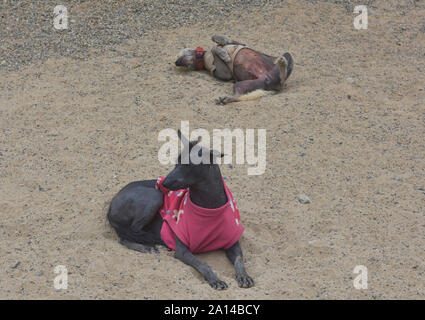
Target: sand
{"x":80,"y":119}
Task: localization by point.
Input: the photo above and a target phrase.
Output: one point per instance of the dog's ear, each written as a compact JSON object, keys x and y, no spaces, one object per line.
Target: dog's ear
{"x":214,"y":155}
{"x":195,"y":142}
{"x":186,"y":141}
{"x":182,"y":138}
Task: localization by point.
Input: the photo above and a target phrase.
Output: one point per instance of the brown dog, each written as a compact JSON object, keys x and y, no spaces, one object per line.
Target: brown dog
{"x":254,"y":72}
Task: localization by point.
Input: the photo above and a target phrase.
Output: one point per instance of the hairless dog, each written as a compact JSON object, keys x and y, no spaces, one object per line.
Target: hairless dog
{"x":139,"y":215}
{"x":254,"y":73}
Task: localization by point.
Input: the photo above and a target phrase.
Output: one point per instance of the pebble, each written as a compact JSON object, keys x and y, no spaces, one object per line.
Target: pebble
{"x":302,"y":198}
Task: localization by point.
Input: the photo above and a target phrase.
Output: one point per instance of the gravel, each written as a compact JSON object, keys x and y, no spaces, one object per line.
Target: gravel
{"x":27,"y":32}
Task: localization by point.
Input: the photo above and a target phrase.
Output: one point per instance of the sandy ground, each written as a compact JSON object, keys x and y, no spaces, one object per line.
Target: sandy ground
{"x":78,"y":123}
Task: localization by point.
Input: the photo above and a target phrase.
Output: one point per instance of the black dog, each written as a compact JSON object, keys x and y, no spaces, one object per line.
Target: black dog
{"x":134,"y":213}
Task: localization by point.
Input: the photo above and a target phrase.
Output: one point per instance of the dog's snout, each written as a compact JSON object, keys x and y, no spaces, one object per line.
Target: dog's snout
{"x":179,"y":62}
{"x":169,"y":182}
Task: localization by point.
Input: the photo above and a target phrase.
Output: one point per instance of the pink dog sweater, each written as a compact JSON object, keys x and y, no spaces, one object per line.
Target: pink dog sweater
{"x":200,"y":229}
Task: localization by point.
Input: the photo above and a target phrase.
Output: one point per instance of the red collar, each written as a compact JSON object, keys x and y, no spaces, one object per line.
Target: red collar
{"x":199,"y":58}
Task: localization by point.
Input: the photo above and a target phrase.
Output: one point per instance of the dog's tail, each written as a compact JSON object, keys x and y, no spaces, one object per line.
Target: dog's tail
{"x":254,"y":95}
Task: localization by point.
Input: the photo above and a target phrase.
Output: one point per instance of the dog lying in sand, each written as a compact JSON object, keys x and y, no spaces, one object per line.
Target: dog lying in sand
{"x":255,"y":73}
{"x":190,"y":211}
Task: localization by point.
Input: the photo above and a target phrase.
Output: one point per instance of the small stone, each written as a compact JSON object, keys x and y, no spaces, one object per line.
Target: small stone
{"x":350,"y":80}
{"x":317,"y":243}
{"x":302,"y":198}
{"x":421,"y":188}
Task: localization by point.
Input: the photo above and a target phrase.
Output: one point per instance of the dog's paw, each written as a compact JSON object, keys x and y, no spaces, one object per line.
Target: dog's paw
{"x":224,"y":100}
{"x":281,"y":61}
{"x":218,"y":284}
{"x":219,"y":101}
{"x":244,"y":281}
{"x":221,"y":40}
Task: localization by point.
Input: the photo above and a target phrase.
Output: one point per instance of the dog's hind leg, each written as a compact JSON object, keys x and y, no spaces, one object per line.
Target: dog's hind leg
{"x":245,"y":90}
{"x":132,"y":213}
{"x":138,"y":246}
{"x":286,"y":64}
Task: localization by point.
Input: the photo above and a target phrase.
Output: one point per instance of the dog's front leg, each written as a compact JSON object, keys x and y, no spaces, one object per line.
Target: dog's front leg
{"x":234,"y":253}
{"x":183,"y":254}
{"x":221,"y":71}
{"x":223,"y":40}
